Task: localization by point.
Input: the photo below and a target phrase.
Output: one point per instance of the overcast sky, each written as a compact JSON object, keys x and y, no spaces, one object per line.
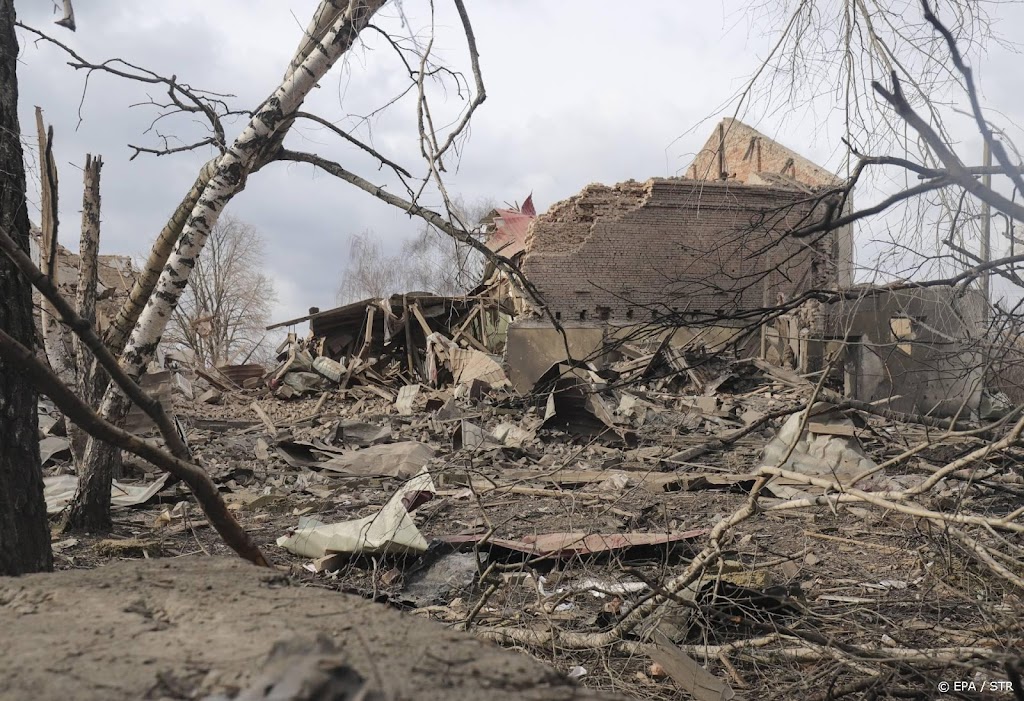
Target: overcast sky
{"x":579,"y":91}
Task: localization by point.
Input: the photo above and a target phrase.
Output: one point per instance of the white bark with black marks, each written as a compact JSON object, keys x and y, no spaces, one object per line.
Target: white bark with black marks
{"x":91,"y":507}
{"x":229,"y":179}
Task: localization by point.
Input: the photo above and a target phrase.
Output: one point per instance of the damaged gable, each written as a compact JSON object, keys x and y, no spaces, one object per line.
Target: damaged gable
{"x":739,"y":153}
{"x":115,"y":277}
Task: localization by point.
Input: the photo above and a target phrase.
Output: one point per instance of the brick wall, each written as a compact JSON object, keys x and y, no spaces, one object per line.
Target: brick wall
{"x":629,"y":252}
{"x":750,"y":157}
{"x":739,"y":153}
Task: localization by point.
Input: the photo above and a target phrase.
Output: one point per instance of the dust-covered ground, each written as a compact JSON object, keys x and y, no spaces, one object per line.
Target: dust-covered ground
{"x":207,"y":627}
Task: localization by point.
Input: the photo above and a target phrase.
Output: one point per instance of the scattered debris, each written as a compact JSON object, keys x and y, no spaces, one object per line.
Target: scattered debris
{"x":568,"y":545}
{"x":402,"y":460}
{"x":59,"y":490}
{"x":686,"y":673}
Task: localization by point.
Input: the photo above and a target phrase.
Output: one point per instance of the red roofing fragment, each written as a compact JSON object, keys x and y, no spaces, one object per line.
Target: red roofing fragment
{"x":510,"y":228}
{"x":527,"y":207}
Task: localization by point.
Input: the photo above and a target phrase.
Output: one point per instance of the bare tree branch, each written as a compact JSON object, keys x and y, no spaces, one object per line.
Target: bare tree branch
{"x":83,"y":329}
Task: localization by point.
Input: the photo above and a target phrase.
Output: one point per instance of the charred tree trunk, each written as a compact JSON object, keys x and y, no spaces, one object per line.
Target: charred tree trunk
{"x":91,"y":512}
{"x":90,"y":375}
{"x":24,"y":533}
{"x":53,"y":335}
{"x":88,"y":266}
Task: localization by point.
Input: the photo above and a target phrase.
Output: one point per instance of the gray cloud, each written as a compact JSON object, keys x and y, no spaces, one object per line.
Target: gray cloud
{"x":578,"y":91}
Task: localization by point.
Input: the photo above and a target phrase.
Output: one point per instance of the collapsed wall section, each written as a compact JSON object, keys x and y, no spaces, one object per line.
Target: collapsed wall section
{"x":629,"y":253}
{"x":567,"y":224}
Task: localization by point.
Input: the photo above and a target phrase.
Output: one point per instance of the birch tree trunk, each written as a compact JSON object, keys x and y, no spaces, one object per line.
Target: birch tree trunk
{"x":121,"y":326}
{"x":90,"y":509}
{"x":24,"y":532}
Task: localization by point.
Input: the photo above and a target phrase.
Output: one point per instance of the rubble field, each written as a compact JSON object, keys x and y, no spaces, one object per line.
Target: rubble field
{"x":603,"y":525}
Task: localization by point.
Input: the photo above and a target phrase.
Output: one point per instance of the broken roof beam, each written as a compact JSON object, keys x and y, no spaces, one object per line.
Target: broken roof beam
{"x":419,"y":317}
{"x":337,"y":314}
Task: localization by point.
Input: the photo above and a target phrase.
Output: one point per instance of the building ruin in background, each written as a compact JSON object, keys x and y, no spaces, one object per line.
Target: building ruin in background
{"x":711,"y":252}
{"x":702,"y":262}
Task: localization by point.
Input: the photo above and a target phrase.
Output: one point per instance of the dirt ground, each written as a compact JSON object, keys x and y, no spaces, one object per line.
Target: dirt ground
{"x":198,"y":627}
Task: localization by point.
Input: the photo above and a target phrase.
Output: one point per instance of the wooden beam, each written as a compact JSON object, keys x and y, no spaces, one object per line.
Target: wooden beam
{"x":419,"y":317}
{"x":409,"y":357}
{"x":271,"y":428}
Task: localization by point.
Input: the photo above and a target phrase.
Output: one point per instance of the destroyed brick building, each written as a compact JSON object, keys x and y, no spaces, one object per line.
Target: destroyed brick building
{"x":713,"y":250}
{"x":638,"y":251}
{"x":703,"y":260}
{"x":710,"y":249}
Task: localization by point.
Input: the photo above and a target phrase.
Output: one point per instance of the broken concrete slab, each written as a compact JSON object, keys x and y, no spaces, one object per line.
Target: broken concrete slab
{"x":359,"y":433}
{"x":302,"y":382}
{"x":54,"y":448}
{"x":401,"y":460}
{"x":211,"y":396}
{"x":406,"y":399}
{"x":826,"y":453}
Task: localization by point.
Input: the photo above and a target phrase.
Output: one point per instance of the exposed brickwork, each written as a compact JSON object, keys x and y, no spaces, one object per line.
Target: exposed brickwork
{"x":752,"y":158}
{"x":617,"y":254}
{"x":739,"y":153}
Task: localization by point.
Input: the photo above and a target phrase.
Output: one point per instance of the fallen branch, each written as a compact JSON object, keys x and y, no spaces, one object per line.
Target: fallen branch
{"x":92,"y":423}
{"x":84,"y":331}
{"x":981,"y":553}
{"x":887,"y":500}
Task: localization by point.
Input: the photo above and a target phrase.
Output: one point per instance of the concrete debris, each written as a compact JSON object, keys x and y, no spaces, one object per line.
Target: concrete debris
{"x":538,"y":500}
{"x":329,"y":368}
{"x":406,"y":398}
{"x":54,"y":448}
{"x":59,"y":490}
{"x":402,"y":460}
{"x":391,"y":530}
{"x":561,"y":445}
{"x":469,"y":436}
{"x":298,"y":383}
{"x":360,"y":434}
{"x":822,"y":449}
{"x":687,"y":673}
{"x":211,"y":396}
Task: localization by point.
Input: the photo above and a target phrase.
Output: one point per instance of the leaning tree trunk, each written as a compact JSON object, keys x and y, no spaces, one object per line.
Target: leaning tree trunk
{"x":24,"y":533}
{"x":90,"y":509}
{"x":117,"y":333}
